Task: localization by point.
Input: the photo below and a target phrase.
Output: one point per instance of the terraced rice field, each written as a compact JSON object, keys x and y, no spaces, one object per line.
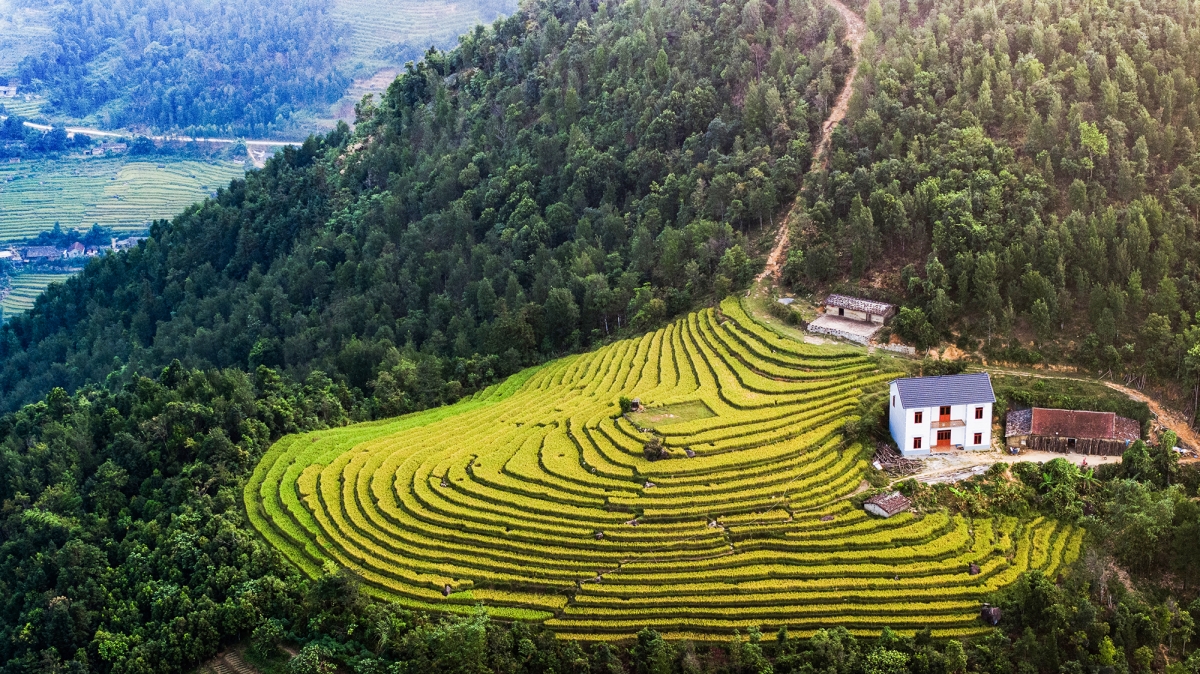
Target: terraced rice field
{"x":24,"y":30}
{"x":381,"y":24}
{"x":121,"y":193}
{"x":534,"y":498}
{"x":25,"y":289}
{"x":31,"y":108}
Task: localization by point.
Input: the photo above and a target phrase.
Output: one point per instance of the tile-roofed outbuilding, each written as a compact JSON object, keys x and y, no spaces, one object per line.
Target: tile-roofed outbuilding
{"x":858,"y":304}
{"x":954,"y":389}
{"x":1072,"y":424}
{"x":887,"y":504}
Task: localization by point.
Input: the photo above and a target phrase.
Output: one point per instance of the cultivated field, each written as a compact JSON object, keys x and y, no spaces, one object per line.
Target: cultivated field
{"x":24,"y":31}
{"x":534,"y":498}
{"x":122,"y":193}
{"x":376,"y":25}
{"x":25,"y":289}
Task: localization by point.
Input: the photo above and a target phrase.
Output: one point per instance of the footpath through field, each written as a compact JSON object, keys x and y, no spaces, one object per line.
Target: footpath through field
{"x":856,"y":30}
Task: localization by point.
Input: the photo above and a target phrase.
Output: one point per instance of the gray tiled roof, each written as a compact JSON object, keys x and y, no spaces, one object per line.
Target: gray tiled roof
{"x":954,"y":389}
{"x":858,"y":304}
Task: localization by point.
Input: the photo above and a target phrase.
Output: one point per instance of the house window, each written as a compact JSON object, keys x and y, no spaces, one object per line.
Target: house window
{"x":917,"y":442}
{"x":893,"y":401}
{"x":917,"y":417}
{"x":944,"y":411}
{"x":978,"y":412}
{"x":979,"y":438}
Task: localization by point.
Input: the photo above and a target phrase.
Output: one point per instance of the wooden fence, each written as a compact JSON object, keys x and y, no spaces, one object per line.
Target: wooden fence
{"x":1092,"y":446}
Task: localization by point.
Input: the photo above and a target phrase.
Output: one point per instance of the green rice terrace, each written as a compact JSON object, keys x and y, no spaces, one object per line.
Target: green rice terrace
{"x":24,"y":290}
{"x":535,"y":499}
{"x":124,"y":194}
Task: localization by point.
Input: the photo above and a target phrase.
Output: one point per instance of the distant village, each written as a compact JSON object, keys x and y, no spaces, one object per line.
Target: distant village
{"x":74,"y":253}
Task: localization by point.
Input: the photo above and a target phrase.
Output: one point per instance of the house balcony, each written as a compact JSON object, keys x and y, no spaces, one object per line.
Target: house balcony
{"x":954,"y":423}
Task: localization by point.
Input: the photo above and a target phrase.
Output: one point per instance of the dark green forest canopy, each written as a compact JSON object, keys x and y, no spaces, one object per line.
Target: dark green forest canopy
{"x":1023,"y":164}
{"x":565,"y":174}
{"x":218,"y":67}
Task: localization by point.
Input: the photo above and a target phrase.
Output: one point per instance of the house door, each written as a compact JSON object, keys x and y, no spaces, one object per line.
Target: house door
{"x":943,"y":438}
{"x":841,"y":311}
{"x":944,"y":413}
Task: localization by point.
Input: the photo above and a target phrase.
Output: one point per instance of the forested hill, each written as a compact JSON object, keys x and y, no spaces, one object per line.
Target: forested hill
{"x":566,"y":174}
{"x":1022,"y":170}
{"x":211,"y":68}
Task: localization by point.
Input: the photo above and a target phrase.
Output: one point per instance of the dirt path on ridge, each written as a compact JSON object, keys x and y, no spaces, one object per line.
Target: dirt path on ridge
{"x":1166,"y":416}
{"x":856,"y":30}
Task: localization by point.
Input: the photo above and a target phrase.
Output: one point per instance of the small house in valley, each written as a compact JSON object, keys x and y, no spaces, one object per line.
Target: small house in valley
{"x":857,"y":309}
{"x":887,"y":504}
{"x":1078,"y":431}
{"x":941,"y":413}
{"x":8,"y":90}
{"x":42,"y":253}
{"x":851,"y":318}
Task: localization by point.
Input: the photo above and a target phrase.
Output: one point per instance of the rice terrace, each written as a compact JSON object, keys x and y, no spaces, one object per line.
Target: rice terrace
{"x":537,"y":500}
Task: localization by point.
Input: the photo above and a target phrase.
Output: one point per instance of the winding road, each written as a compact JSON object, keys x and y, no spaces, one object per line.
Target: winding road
{"x":257,"y":150}
{"x":856,"y":30}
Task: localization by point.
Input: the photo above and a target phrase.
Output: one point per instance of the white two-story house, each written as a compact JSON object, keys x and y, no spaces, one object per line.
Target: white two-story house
{"x":941,"y":413}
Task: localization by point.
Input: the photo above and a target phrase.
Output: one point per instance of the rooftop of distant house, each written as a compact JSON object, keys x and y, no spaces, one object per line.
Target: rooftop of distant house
{"x":889,"y":502}
{"x":1071,"y":424}
{"x":42,"y":252}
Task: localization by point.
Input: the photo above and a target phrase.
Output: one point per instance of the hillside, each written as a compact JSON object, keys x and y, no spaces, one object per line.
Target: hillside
{"x":537,"y":498}
{"x":492,"y":210}
{"x":189,"y":66}
{"x":212,"y":68}
{"x":1021,"y":177}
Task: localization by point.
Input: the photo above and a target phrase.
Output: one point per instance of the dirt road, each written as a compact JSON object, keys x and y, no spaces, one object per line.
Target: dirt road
{"x":856,"y":30}
{"x":1167,"y":417}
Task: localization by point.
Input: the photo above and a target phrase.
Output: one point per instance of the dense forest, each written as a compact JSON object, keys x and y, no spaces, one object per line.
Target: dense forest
{"x":1022,"y":168}
{"x":208,"y":68}
{"x":551,"y":182}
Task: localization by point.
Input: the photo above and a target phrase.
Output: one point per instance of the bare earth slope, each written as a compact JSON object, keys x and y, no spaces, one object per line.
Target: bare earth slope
{"x":855,"y":31}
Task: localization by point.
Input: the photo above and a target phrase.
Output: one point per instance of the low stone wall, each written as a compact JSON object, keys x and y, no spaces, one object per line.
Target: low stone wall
{"x":840,"y":334}
{"x":899,"y":348}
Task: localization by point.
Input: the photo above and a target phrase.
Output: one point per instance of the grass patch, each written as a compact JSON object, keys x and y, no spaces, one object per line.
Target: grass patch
{"x":664,"y":415}
{"x":1016,"y":391}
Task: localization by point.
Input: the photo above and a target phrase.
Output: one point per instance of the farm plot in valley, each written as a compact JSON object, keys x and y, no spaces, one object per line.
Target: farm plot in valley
{"x":535,"y":498}
{"x":25,"y":288}
{"x":125,"y":194}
